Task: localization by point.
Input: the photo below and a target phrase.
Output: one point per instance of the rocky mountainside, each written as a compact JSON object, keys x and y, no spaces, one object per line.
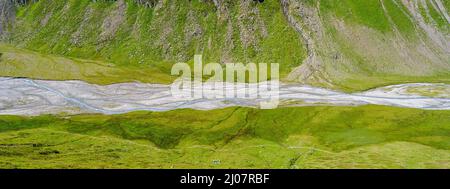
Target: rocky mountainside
{"x":371,"y":40}
{"x":7,"y":13}
{"x":345,"y":44}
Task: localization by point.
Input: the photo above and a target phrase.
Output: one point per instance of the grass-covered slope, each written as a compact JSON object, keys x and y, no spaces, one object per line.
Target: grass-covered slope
{"x":345,"y":44}
{"x":16,"y":62}
{"x":304,"y":137}
{"x":128,"y":33}
{"x":355,"y":44}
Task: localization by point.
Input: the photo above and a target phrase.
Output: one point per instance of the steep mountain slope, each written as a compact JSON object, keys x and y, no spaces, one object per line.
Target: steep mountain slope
{"x":125,"y":32}
{"x":346,"y":44}
{"x":360,"y":43}
{"x":7,"y":13}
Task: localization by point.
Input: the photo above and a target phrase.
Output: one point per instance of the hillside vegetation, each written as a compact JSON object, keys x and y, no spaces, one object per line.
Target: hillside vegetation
{"x":302,"y":137}
{"x":346,"y":44}
{"x":24,"y":63}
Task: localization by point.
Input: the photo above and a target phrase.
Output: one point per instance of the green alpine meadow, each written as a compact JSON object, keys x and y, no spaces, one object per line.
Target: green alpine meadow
{"x":362,"y":84}
{"x":305,"y":137}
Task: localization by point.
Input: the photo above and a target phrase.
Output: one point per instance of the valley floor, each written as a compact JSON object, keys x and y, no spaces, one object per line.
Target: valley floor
{"x":415,"y":134}
{"x":17,"y":62}
{"x":21,"y":96}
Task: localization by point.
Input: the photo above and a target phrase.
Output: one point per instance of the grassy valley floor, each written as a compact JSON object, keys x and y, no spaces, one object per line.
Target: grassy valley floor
{"x":18,"y":62}
{"x":301,"y":137}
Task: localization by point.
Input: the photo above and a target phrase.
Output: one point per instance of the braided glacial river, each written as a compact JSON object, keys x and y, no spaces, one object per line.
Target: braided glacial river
{"x":35,"y":97}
